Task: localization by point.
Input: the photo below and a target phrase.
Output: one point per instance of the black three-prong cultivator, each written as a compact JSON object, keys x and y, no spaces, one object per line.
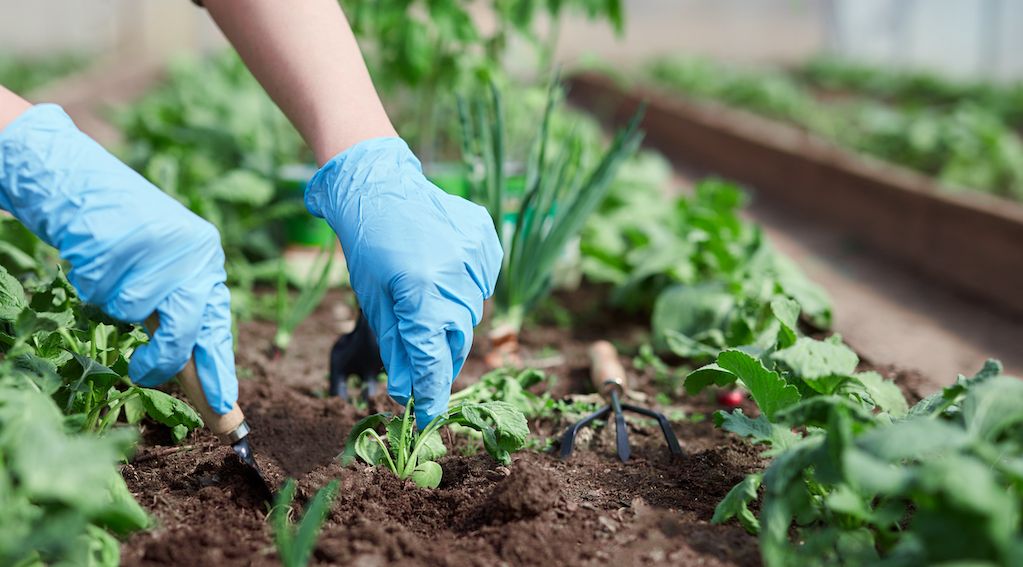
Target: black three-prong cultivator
{"x":609,"y":379}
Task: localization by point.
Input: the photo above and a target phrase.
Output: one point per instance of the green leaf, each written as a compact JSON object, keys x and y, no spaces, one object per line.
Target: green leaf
{"x":431,"y":447}
{"x":12,"y":296}
{"x":736,"y":504}
{"x":504,"y":428}
{"x":993,"y":407}
{"x":368,"y":448}
{"x":786,"y":311}
{"x":769,"y":390}
{"x":691,"y":310}
{"x":818,"y":410}
{"x":168,"y":410}
{"x":427,"y":474}
{"x":309,"y":527}
{"x":810,"y":358}
{"x":122,"y":514}
{"x":884,"y":394}
{"x":758,"y":430}
{"x":913,"y":439}
{"x":704,"y":376}
{"x":687,"y":347}
{"x":243,"y":187}
{"x":368,"y":422}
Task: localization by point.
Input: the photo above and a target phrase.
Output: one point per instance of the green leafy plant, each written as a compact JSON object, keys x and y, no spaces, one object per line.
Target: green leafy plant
{"x":69,"y":351}
{"x":560,"y":194}
{"x":511,"y":386}
{"x":295,"y":542}
{"x":61,"y":493}
{"x":937,"y":484}
{"x":412,"y":454}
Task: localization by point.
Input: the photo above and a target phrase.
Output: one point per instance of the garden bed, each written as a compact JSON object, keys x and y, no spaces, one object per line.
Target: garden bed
{"x":898,"y":212}
{"x":655,"y":510}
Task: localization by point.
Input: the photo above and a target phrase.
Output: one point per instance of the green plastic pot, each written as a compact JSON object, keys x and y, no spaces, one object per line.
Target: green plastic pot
{"x":303,"y":230}
{"x":451,"y":177}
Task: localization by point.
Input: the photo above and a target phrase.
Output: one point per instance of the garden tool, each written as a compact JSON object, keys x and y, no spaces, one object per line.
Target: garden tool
{"x":609,"y":380}
{"x":229,"y":428}
{"x":355,"y":353}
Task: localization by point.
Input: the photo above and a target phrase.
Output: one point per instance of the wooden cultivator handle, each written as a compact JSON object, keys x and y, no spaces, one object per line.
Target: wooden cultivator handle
{"x":605,"y":370}
{"x":229,"y":427}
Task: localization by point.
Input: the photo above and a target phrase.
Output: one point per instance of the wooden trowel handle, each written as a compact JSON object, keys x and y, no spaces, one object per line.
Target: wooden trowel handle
{"x":229,"y":427}
{"x":605,"y":370}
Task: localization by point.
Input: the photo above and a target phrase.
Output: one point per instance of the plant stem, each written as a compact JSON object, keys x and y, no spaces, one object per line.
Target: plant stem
{"x":387,"y":454}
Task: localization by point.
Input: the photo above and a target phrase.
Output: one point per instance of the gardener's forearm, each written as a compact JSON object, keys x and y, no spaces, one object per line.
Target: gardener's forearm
{"x":305,"y":55}
{"x":11,"y":106}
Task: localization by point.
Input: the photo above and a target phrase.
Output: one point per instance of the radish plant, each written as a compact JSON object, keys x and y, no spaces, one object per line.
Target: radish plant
{"x":412,"y":454}
{"x":560,"y":194}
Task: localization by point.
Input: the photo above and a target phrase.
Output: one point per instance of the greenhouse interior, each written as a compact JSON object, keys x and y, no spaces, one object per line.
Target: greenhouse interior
{"x":511,"y":282}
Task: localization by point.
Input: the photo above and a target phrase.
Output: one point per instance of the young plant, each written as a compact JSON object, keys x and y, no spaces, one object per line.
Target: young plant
{"x":412,"y":454}
{"x":510,"y":386}
{"x":311,"y":293}
{"x":295,"y":542}
{"x":560,"y":194}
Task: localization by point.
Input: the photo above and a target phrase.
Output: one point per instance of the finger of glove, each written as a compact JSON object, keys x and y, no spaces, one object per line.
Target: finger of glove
{"x":214,"y":352}
{"x":428,"y":324}
{"x":379,"y":312}
{"x":169,"y":348}
{"x":490,"y":252}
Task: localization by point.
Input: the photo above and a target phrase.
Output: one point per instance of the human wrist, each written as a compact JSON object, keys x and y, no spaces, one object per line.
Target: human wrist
{"x":11,"y":107}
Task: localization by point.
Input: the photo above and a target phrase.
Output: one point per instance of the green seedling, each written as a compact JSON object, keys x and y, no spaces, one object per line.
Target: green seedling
{"x":412,"y":454}
{"x":295,"y":541}
{"x":311,"y":293}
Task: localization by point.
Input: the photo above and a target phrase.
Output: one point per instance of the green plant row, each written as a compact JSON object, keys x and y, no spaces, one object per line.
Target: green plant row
{"x":64,"y":398}
{"x":967,"y":140}
{"x":857,"y":477}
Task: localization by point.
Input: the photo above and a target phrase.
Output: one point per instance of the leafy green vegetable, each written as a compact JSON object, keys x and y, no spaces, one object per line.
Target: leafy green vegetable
{"x":53,"y":512}
{"x":295,"y":543}
{"x":410,"y":454}
{"x":864,"y":481}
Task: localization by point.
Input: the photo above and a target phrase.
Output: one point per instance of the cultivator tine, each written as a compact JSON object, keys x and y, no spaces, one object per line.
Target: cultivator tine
{"x":609,"y":379}
{"x":621,"y":431}
{"x":568,"y":438}
{"x":669,"y":433}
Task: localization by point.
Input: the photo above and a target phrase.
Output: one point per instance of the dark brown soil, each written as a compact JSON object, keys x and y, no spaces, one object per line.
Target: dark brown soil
{"x":588,"y":510}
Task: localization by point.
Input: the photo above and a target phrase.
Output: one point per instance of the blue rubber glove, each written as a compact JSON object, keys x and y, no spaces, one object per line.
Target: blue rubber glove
{"x":421,"y":262}
{"x":133,"y":249}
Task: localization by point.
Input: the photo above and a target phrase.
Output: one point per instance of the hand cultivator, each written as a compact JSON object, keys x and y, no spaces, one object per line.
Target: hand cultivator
{"x":355,"y":353}
{"x":609,"y":379}
{"x":229,"y":428}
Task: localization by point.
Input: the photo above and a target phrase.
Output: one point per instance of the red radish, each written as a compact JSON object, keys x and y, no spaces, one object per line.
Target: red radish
{"x":731,"y":398}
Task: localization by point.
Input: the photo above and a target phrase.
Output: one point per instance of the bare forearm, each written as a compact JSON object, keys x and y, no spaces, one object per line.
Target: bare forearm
{"x":305,"y":56}
{"x":11,"y":106}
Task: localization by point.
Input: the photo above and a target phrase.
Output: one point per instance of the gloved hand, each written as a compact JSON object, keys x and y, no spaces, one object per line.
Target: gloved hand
{"x":133,"y":249}
{"x":421,"y":263}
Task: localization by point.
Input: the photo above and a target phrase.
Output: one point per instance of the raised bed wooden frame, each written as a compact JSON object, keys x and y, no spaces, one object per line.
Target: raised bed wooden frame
{"x":973,"y":242}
